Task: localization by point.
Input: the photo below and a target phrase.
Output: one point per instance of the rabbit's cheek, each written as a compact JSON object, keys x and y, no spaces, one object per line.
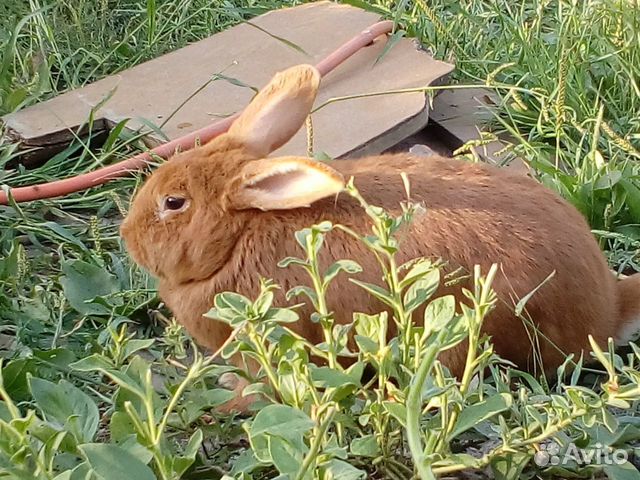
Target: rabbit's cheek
{"x":130,"y":237}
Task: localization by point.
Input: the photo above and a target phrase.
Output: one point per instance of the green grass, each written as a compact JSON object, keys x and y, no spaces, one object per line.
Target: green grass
{"x":67,"y":44}
{"x":73,"y":306}
{"x":567,"y":74}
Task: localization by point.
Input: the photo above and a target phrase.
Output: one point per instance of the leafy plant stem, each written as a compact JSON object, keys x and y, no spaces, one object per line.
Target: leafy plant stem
{"x":503,"y":449}
{"x":326,"y":321}
{"x":483,"y":292}
{"x":192,"y":373}
{"x":318,"y":438}
{"x":263,"y":355}
{"x":13,"y":410}
{"x":403,"y":319}
{"x":414,"y":413}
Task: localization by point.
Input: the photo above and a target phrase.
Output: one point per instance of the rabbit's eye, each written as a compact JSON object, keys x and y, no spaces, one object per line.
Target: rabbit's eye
{"x":174,"y":203}
{"x":170,"y":205}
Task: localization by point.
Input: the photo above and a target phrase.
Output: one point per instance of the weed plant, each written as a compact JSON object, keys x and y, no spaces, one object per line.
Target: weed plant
{"x":146,"y":409}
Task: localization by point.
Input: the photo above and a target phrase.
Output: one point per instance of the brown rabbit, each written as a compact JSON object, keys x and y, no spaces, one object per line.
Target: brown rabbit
{"x":215,"y":218}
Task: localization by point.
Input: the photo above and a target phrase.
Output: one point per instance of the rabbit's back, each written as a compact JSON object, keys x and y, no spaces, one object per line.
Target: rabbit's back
{"x":475,"y":214}
{"x":479,"y":214}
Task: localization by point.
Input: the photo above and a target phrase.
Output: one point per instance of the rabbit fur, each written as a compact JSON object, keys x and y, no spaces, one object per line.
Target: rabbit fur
{"x":237,"y":210}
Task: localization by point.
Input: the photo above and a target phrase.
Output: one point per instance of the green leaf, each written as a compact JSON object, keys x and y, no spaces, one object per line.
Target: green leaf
{"x":63,"y":476}
{"x":60,"y":357}
{"x":632,"y":199}
{"x":465,"y":459}
{"x":397,"y":411}
{"x":339,"y":470}
{"x":439,"y":313}
{"x":9,"y":264}
{"x":115,"y":463}
{"x":67,"y":406}
{"x":153,"y":128}
{"x":281,"y":420}
{"x":418,"y":293}
{"x":193,"y":445}
{"x":625,"y":471}
{"x":233,"y":81}
{"x":418,"y":270}
{"x":608,"y":180}
{"x":99,"y":363}
{"x":246,"y":462}
{"x":474,"y":414}
{"x":5,"y":414}
{"x":92,"y":363}
{"x":395,"y":38}
{"x":365,"y":446}
{"x":135,"y":345}
{"x":14,"y":377}
{"x":281,"y":315}
{"x":378,"y":292}
{"x":56,"y":443}
{"x":348,"y":266}
{"x":509,"y":466}
{"x":286,"y":262}
{"x":367,"y":6}
{"x":230,"y":308}
{"x":532,"y":383}
{"x":285,"y":456}
{"x":13,"y":100}
{"x":114,"y":135}
{"x":301,"y":237}
{"x":131,"y":445}
{"x":136,"y":387}
{"x":121,"y":426}
{"x":82,"y":282}
{"x":182,"y":463}
{"x":366,"y":345}
{"x":302,"y":290}
{"x":283,"y":40}
{"x":232,"y":301}
{"x":263,"y":303}
{"x":199,"y":401}
{"x":322,"y":156}
{"x":609,"y":421}
{"x":323,"y":227}
{"x":257,"y":388}
{"x":328,"y":377}
{"x":523,"y":301}
{"x":81,"y":472}
{"x":64,"y":234}
{"x":373,"y":327}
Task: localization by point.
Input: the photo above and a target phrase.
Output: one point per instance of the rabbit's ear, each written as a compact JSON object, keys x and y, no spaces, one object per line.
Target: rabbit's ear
{"x":283,"y":183}
{"x":278,"y":111}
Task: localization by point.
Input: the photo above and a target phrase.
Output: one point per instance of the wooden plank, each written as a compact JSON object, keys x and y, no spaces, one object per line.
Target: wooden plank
{"x":155,"y":89}
{"x":462,"y":114}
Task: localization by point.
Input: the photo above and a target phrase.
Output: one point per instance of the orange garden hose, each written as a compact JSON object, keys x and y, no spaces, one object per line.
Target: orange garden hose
{"x":84,"y":181}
